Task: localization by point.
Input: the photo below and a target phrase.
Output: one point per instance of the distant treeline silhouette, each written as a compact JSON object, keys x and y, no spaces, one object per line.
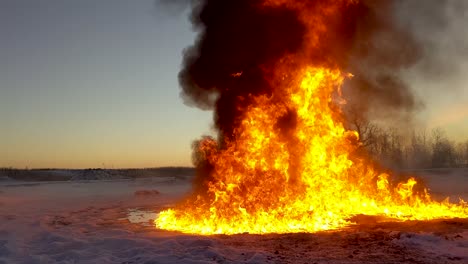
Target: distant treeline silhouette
{"x":50,"y":174}
{"x":398,"y":149}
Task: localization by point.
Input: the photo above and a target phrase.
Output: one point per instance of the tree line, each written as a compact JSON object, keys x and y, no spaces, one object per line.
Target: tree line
{"x":415,"y":150}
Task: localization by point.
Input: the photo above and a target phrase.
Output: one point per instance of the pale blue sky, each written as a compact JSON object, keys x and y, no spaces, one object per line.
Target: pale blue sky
{"x":93,"y":83}
{"x":86,"y":83}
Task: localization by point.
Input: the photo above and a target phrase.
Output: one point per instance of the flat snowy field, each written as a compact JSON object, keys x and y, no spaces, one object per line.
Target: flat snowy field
{"x":110,"y":221}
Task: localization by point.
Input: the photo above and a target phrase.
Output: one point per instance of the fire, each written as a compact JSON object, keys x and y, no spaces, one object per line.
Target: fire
{"x":292,"y":166}
{"x":274,"y":181}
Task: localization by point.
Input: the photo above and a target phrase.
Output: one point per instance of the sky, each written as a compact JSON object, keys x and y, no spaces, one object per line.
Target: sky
{"x":94,"y":84}
{"x":86,"y":84}
{"x":439,"y":79}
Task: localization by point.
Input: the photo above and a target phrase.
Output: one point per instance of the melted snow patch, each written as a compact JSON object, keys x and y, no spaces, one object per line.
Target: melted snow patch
{"x":137,"y":216}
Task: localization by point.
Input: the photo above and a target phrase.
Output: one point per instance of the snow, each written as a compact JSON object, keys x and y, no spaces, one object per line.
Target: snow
{"x":453,"y":246}
{"x":110,"y":221}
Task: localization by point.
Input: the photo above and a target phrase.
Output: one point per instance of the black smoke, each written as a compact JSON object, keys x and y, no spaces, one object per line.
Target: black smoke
{"x":225,"y":65}
{"x":239,"y":40}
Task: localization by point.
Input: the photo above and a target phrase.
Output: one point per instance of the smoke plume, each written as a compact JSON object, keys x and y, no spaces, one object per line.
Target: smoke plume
{"x":236,"y":41}
{"x":439,"y":26}
{"x":240,"y":41}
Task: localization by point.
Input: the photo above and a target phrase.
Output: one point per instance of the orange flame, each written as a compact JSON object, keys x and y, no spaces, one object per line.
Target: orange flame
{"x":293,"y":166}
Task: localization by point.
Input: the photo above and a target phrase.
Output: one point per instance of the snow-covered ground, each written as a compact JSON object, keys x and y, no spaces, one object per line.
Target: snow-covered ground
{"x":109,"y":221}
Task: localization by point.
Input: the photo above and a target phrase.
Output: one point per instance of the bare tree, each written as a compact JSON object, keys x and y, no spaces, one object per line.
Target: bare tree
{"x":396,"y":149}
{"x":419,"y":150}
{"x":442,"y":150}
{"x":461,"y":156}
{"x":368,"y":131}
